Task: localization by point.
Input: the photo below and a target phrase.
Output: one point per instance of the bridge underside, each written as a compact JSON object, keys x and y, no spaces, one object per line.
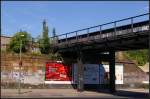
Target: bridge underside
{"x":89,"y":49}
{"x":132,"y":41}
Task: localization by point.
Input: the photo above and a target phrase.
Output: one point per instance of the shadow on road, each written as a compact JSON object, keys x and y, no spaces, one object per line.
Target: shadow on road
{"x":122,"y":93}
{"x":131,"y":94}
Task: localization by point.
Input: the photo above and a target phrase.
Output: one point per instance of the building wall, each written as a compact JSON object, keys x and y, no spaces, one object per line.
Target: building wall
{"x":5,"y":41}
{"x":32,"y":70}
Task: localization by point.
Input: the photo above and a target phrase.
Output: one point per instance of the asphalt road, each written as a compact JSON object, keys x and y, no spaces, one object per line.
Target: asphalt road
{"x":72,"y":93}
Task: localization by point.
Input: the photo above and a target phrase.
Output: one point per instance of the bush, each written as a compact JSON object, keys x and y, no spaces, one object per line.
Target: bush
{"x":140,"y":56}
{"x":16,"y":41}
{"x":44,"y":45}
{"x":55,"y":56}
{"x":36,"y":53}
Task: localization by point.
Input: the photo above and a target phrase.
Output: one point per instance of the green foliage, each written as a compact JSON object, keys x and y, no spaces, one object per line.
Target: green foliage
{"x":55,"y":56}
{"x":55,"y":38}
{"x":36,"y":53}
{"x":146,"y":86}
{"x":16,"y":41}
{"x":3,"y":51}
{"x":54,"y":32}
{"x":45,"y":30}
{"x":44,"y":42}
{"x":140,"y":56}
{"x":44,"y":45}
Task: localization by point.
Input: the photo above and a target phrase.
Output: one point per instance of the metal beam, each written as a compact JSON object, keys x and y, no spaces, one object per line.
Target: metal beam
{"x":112,"y":71}
{"x":127,"y":41}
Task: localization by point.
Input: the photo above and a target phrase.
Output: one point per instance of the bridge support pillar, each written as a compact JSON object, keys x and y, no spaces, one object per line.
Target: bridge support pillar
{"x":112,"y":71}
{"x":80,"y":84}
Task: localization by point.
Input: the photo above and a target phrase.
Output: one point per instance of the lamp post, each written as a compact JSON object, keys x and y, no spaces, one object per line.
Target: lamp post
{"x":20,"y":65}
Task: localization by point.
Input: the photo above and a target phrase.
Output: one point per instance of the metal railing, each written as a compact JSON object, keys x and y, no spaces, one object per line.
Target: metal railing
{"x":87,"y":33}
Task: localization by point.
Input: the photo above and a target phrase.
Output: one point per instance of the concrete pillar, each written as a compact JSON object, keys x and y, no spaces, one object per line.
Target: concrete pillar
{"x":112,"y":71}
{"x":80,"y":71}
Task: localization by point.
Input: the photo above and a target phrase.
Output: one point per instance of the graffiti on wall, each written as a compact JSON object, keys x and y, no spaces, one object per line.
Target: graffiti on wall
{"x":26,"y":77}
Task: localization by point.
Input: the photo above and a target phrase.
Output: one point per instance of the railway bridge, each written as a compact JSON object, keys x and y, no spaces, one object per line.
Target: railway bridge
{"x":98,"y":43}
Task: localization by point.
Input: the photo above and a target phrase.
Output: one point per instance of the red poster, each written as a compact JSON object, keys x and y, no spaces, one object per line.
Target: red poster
{"x":57,"y":72}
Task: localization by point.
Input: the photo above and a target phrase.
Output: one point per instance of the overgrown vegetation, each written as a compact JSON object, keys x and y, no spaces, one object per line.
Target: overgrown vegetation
{"x":22,"y":39}
{"x":139,"y":56}
{"x":44,"y":41}
{"x":44,"y":45}
{"x":55,"y":56}
{"x":36,"y":54}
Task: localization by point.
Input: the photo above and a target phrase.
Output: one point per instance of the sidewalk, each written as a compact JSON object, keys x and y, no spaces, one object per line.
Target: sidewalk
{"x":61,"y":93}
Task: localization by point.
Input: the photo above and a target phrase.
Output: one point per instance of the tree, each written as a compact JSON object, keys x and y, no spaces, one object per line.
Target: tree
{"x":54,"y":32}
{"x":44,"y":42}
{"x":16,"y":41}
{"x":55,"y":38}
{"x":44,"y":45}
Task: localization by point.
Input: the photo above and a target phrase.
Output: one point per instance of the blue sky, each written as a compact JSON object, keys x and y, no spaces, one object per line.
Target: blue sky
{"x":64,"y":16}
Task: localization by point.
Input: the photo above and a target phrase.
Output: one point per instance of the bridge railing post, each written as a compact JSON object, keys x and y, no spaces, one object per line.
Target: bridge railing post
{"x":66,"y":39}
{"x":76,"y":36}
{"x":115,"y":28}
{"x":55,"y":39}
{"x":100,"y":31}
{"x":131,"y":24}
{"x":88,"y":33}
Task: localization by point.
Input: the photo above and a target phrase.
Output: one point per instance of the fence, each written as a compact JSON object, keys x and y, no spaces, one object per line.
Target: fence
{"x":111,"y":29}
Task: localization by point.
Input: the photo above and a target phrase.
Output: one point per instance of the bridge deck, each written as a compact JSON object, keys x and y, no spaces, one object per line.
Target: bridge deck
{"x":125,"y":37}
